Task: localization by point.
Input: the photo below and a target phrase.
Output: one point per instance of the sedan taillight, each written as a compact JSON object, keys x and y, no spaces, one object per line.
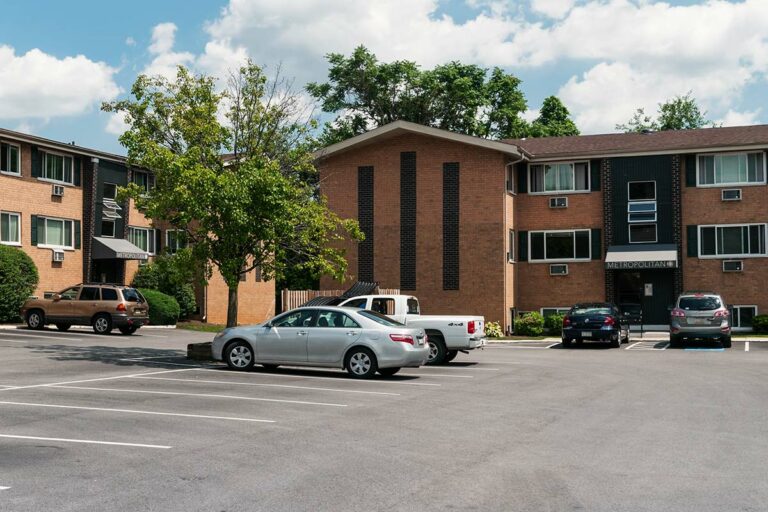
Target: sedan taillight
{"x":566,"y":321}
{"x":402,"y":338}
{"x":609,"y":320}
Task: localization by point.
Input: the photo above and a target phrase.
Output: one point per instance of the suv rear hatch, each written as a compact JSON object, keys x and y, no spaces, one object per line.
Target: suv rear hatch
{"x":700,"y":311}
{"x":135,"y":302}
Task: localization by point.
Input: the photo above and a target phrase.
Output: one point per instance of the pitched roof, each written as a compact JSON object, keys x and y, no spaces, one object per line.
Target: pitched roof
{"x":61,"y":146}
{"x":399,"y":127}
{"x":673,"y":141}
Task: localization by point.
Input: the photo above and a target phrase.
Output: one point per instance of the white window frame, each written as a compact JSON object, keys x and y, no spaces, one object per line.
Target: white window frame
{"x":638,"y":224}
{"x":173,"y":250}
{"x":151,"y":249}
{"x":44,"y":235}
{"x":64,"y":171}
{"x":731,"y":256}
{"x":558,"y":260}
{"x":4,"y":166}
{"x":655,"y":192}
{"x":149,"y":186}
{"x":559,"y":310}
{"x":103,"y":221}
{"x":19,"y":231}
{"x":102,"y":190}
{"x":511,"y":249}
{"x":573,"y":180}
{"x":730,"y":184}
{"x":511,"y":175}
{"x":734,"y":316}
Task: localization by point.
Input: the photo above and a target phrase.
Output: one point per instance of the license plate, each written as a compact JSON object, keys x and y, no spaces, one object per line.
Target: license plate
{"x":586,"y":334}
{"x":138,"y":311}
{"x":420,"y":341}
{"x":697,"y":321}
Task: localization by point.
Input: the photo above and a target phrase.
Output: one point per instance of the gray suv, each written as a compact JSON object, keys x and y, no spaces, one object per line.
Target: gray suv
{"x":701,"y":315}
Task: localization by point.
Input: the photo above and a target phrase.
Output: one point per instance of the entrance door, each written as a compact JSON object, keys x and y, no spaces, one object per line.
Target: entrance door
{"x":652,"y":290}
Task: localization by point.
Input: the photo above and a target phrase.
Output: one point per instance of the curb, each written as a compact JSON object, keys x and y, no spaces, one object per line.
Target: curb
{"x":10,"y":327}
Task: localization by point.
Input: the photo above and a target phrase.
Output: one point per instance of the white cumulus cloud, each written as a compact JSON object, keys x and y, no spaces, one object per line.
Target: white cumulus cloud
{"x":552,"y":8}
{"x":165,"y":60}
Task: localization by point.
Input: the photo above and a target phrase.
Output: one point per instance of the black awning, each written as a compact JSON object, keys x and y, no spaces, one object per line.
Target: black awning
{"x":116,"y":249}
{"x":360,"y":288}
{"x":322,"y":301}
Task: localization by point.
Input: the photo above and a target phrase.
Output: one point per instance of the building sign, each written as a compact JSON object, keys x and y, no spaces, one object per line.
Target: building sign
{"x":131,"y":255}
{"x":639,"y":265}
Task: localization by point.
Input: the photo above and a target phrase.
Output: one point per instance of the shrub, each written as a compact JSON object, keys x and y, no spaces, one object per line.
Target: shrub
{"x":18,"y":280}
{"x":760,"y":324}
{"x":172,"y":274}
{"x":531,"y":324}
{"x":554,"y":324}
{"x":493,"y":330}
{"x":163,"y":309}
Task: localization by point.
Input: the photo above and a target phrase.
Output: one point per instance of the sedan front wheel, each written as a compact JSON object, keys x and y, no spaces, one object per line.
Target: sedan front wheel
{"x":239,"y":356}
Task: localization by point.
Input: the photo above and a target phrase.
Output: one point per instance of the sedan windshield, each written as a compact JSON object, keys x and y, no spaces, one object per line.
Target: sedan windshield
{"x":380,"y":319}
{"x":699,"y":303}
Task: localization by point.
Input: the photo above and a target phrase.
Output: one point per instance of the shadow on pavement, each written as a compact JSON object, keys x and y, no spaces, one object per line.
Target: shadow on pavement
{"x":116,"y":356}
{"x":321,"y":372}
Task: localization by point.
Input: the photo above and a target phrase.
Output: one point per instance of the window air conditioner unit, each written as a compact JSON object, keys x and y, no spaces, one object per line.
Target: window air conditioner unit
{"x":733,"y":266}
{"x":58,"y":190}
{"x":558,"y":202}
{"x":731,"y":194}
{"x":560,"y":269}
{"x":58,"y":255}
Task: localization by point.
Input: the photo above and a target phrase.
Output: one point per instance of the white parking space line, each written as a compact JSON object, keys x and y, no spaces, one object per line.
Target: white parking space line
{"x":124,"y":376}
{"x":746,"y":346}
{"x":84,"y":441}
{"x":472,"y":368}
{"x":4,"y":488}
{"x":144,"y":360}
{"x":340,"y":378}
{"x":133,"y":411}
{"x":142,"y":335}
{"x":446,"y":375}
{"x":19,"y":339}
{"x":648,"y":345}
{"x":200,"y":395}
{"x":288,"y":386}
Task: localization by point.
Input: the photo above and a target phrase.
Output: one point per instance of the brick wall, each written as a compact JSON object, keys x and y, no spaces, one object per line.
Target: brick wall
{"x":704,"y":206}
{"x":482,"y":231}
{"x":29,"y":196}
{"x":256,"y":300}
{"x":136,"y":219}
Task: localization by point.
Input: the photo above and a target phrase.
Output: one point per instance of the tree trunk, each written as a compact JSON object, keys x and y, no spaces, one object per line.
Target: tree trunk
{"x":232,"y":307}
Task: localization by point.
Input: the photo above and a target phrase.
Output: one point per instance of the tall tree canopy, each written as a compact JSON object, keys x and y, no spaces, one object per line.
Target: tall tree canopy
{"x":679,"y":113}
{"x":464,"y":98}
{"x":251,"y":209}
{"x":554,"y":120}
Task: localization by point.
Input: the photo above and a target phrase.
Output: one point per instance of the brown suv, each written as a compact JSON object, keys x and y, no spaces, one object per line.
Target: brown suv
{"x":102,"y":306}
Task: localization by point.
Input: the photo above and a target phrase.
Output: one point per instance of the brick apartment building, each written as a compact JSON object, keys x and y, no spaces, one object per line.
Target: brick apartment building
{"x":58,"y":204}
{"x":499,"y":228}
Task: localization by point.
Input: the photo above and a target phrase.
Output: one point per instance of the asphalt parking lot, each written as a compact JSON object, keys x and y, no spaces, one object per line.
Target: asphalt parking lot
{"x":127,"y":423}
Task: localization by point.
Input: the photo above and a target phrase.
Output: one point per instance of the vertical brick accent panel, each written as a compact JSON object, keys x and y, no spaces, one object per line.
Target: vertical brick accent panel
{"x":89,"y":181}
{"x":677,"y":223}
{"x":704,"y":206}
{"x":451,"y":226}
{"x":408,"y":205}
{"x":365,"y":210}
{"x":607,"y":183}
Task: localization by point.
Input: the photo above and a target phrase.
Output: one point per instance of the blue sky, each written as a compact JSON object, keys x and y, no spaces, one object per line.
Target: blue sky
{"x":604,"y":58}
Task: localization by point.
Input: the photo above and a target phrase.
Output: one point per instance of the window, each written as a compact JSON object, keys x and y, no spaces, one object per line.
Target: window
{"x":57,"y":233}
{"x":641,"y":190}
{"x":10,"y":228}
{"x":175,"y":239}
{"x":383,"y":306}
{"x":108,"y":294}
{"x":70,"y":293}
{"x":380,"y":319}
{"x":560,"y":245}
{"x":108,"y":228}
{"x":90,"y":293}
{"x":133,"y":295}
{"x":560,"y":177}
{"x":591,"y":310}
{"x":741,"y":316}
{"x":335,"y":319}
{"x":143,"y":238}
{"x":746,"y":240}
{"x":57,"y":168}
{"x":357,"y":303}
{"x":731,"y":168}
{"x":699,"y":303}
{"x":511,"y":249}
{"x":301,"y":318}
{"x":413,"y":306}
{"x":110,"y":191}
{"x":9,"y":158}
{"x":642,"y":233}
{"x":511,"y":179}
{"x":545,"y":312}
{"x":144,"y":180}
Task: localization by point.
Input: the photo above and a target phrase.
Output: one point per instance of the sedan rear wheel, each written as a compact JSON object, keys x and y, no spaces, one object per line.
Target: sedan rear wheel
{"x":566,"y":342}
{"x":616,"y":340}
{"x":239,"y":356}
{"x":361,"y":363}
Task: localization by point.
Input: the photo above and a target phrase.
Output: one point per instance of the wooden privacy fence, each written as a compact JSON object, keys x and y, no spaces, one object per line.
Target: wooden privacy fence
{"x":295,"y":298}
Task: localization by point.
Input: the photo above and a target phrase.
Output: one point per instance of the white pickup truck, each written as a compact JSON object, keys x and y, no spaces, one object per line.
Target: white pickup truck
{"x":448,"y":335}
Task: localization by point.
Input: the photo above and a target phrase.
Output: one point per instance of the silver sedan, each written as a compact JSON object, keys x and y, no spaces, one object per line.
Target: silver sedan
{"x":361,"y":341}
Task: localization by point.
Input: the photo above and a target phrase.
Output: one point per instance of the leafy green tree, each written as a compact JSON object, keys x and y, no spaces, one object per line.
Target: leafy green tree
{"x":679,"y":113}
{"x":253,"y":208}
{"x":18,"y":280}
{"x":459,"y":97}
{"x":554,"y":120}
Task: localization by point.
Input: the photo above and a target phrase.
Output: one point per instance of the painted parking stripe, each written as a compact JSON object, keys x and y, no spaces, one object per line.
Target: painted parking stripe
{"x":84,"y":441}
{"x":648,"y":345}
{"x":704,"y":350}
{"x":342,"y":377}
{"x":18,"y":338}
{"x":446,"y":375}
{"x":4,"y":488}
{"x":200,"y":395}
{"x":261,"y":384}
{"x":145,"y":361}
{"x":746,"y":346}
{"x":114,"y":377}
{"x":133,"y":411}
